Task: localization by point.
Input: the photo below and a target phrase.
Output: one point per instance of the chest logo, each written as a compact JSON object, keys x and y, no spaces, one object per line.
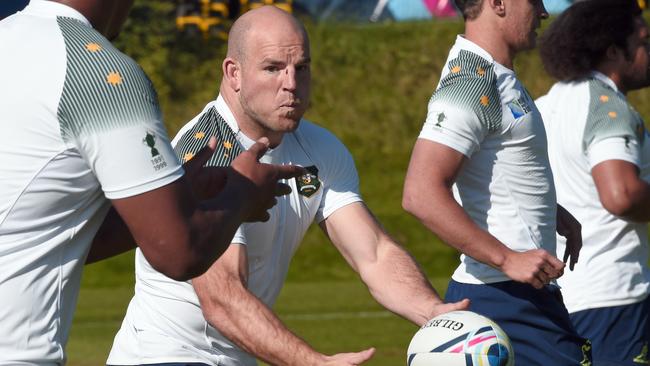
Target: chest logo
{"x":309,"y":183}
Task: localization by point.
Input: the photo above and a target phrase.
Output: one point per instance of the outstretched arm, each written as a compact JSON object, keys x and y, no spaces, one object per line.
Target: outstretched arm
{"x":240,"y":316}
{"x":392,"y":276}
{"x":427,"y":195}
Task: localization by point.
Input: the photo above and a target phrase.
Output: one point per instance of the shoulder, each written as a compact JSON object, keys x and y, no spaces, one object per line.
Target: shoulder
{"x":471,"y":83}
{"x":103,"y":87}
{"x":610,"y":114}
{"x":318,"y":138}
{"x":195,"y":135}
{"x":324,"y":149}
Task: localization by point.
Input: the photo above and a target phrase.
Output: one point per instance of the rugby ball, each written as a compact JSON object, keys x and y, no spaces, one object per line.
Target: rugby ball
{"x":460,"y":338}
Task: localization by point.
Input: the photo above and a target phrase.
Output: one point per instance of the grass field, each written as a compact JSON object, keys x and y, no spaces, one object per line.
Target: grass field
{"x":332,"y":316}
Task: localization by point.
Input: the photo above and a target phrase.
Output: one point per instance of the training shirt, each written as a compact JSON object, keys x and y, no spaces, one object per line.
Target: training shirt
{"x":589,"y":122}
{"x":164,"y":322}
{"x":79,"y":123}
{"x":481,"y":110}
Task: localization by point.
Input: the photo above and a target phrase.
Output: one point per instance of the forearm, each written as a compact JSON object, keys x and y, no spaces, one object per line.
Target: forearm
{"x":453,"y":226}
{"x":252,"y":326}
{"x":397,"y":283}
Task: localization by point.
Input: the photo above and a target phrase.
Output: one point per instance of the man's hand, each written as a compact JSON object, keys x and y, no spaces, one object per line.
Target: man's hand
{"x":258,"y":182}
{"x":206,"y":182}
{"x":442,"y":307}
{"x":535,"y":267}
{"x":570,"y":228}
{"x":349,"y":359}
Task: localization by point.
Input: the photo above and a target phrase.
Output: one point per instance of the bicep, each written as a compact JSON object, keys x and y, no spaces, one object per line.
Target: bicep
{"x":355,"y":232}
{"x":432,"y":163}
{"x":615,"y":180}
{"x":158,"y":219}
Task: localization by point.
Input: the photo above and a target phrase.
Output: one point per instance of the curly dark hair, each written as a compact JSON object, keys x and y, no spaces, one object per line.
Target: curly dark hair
{"x":577,"y":41}
{"x":469,"y":8}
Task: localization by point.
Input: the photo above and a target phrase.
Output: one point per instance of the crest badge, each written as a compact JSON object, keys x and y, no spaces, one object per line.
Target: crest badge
{"x":309,"y":183}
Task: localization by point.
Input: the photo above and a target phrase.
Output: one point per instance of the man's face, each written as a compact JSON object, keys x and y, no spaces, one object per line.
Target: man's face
{"x":275,"y":80}
{"x":635,"y":72}
{"x":524,"y":17}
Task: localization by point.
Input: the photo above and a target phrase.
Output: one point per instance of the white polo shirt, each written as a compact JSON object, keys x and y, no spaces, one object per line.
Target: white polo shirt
{"x":79,"y":123}
{"x":589,"y":122}
{"x":481,"y":110}
{"x":164,"y":322}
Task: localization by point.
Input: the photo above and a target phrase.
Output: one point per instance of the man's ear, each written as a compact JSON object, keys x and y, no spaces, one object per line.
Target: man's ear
{"x":232,"y":73}
{"x":614,"y":53}
{"x":497,"y":6}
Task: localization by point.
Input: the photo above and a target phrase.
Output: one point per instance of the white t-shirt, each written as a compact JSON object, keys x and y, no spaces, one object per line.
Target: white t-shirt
{"x":79,"y":123}
{"x":164,"y":322}
{"x":589,"y":122}
{"x":481,"y":110}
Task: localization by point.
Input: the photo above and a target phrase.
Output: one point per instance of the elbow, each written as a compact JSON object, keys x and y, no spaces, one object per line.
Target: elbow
{"x":618,"y":204}
{"x":180,"y":269}
{"x":179,"y":262}
{"x":410,"y":203}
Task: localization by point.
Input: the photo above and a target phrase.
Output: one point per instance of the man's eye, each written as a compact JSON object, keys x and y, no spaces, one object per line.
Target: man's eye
{"x":272,"y":68}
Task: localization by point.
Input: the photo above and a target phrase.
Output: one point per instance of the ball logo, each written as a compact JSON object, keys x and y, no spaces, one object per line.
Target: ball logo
{"x":444,"y":323}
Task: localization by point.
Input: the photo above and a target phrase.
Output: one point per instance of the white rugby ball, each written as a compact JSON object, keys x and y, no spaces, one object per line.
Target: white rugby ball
{"x":460,"y":338}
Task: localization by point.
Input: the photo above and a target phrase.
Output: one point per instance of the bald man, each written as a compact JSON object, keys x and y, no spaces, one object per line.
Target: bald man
{"x":86,"y":159}
{"x":224,"y":317}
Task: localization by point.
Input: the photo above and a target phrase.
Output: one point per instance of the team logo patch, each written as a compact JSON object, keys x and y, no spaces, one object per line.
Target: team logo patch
{"x":440,"y":118}
{"x":309,"y":183}
{"x":519,"y":108}
{"x":157,"y":160}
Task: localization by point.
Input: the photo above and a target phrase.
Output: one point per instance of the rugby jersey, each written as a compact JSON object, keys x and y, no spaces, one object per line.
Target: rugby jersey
{"x":590,"y":121}
{"x":80,"y":123}
{"x":482,"y":110}
{"x":164,"y":322}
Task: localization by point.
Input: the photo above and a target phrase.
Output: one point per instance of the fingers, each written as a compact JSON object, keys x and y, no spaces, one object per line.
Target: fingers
{"x":290,"y":171}
{"x":452,"y":306}
{"x":281,"y":189}
{"x":361,"y":357}
{"x":200,"y":158}
{"x":259,"y":148}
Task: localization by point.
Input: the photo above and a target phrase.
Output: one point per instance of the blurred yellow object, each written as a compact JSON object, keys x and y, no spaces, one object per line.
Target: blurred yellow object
{"x":643,"y":4}
{"x":210,"y":14}
{"x":252,"y":4}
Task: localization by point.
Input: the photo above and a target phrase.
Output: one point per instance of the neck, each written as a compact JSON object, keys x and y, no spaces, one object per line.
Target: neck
{"x":247,"y":125}
{"x":612,"y":72}
{"x":490,"y":41}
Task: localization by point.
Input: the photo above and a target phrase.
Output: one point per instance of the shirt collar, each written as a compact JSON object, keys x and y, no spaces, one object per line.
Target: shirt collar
{"x":465,"y":44}
{"x":53,"y":9}
{"x":225,"y":112}
{"x":604,"y":79}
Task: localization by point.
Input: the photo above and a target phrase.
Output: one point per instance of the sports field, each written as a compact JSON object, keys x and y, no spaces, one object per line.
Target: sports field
{"x":371,"y":84}
{"x":332,"y":316}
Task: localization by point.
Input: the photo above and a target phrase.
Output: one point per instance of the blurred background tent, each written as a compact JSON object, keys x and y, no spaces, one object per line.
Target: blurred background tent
{"x":211,"y":17}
